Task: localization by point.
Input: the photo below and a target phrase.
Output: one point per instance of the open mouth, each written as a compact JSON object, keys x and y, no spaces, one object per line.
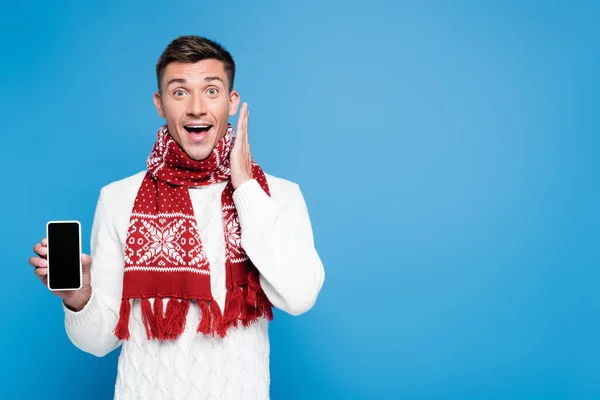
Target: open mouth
{"x":197,"y":129}
{"x":197,"y":133}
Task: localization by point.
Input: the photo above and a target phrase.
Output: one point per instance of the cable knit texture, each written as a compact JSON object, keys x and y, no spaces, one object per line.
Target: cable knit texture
{"x":276,"y":235}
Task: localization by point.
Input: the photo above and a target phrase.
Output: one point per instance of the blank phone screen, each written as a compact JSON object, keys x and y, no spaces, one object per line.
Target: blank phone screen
{"x":64,"y":266}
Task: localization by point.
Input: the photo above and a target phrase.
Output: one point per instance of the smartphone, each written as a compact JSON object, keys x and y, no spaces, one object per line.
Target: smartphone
{"x":64,"y":255}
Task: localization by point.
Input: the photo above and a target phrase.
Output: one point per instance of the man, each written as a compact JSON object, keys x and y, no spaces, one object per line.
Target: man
{"x":189,"y":256}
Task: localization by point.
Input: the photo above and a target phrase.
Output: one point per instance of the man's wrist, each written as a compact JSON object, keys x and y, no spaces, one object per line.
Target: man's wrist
{"x":77,"y":305}
{"x":236,"y":184}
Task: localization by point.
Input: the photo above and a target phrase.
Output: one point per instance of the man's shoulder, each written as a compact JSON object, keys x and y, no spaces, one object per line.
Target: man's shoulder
{"x":283,"y":190}
{"x":280,"y":183}
{"x":129,"y":184}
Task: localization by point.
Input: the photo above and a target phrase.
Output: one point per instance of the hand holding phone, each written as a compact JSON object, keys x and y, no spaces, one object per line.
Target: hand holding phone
{"x":60,"y":264}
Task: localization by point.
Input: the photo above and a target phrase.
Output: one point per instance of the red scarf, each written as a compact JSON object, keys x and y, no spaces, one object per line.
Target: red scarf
{"x":164,"y":256}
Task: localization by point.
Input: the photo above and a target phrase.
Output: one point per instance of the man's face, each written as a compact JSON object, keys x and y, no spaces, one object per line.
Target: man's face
{"x":196,"y":102}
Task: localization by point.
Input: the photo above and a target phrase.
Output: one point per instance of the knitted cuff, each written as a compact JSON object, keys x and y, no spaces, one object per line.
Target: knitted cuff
{"x":252,"y":203}
{"x":87,"y":315}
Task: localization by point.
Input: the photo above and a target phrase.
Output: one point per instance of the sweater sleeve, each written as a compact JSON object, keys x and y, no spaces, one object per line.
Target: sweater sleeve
{"x":278,"y":238}
{"x":91,"y":329}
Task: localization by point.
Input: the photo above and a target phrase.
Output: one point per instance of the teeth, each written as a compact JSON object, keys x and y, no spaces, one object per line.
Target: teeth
{"x":197,"y":126}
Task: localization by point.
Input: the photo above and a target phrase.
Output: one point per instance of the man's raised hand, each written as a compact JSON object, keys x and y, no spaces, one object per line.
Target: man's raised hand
{"x":241,"y":158}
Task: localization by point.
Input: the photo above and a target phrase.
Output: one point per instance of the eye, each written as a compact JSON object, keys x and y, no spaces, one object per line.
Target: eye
{"x":179,"y":93}
{"x":213,"y":91}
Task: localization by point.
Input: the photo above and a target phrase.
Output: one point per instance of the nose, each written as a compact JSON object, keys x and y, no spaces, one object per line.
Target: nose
{"x":196,"y":106}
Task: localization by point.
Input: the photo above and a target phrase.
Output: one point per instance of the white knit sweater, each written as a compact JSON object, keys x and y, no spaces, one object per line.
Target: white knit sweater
{"x":276,"y":235}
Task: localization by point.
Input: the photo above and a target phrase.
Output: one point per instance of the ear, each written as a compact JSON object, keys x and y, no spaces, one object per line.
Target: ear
{"x":159,"y":104}
{"x":234,"y":102}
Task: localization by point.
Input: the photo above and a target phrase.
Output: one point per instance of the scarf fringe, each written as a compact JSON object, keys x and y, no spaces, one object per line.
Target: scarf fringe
{"x":176,"y":318}
{"x":233,"y":307}
{"x":164,"y":325}
{"x":158,"y":318}
{"x":211,"y":319}
{"x":158,"y":325}
{"x":257,"y":303}
{"x":205,"y":318}
{"x":122,"y":329}
{"x":148,"y":318}
{"x":243,"y":305}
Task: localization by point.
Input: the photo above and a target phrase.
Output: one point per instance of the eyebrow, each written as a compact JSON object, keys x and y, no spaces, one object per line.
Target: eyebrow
{"x":206,"y":79}
{"x":214,"y":78}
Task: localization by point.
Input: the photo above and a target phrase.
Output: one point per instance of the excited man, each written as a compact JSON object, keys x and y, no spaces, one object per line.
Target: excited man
{"x":190,"y":255}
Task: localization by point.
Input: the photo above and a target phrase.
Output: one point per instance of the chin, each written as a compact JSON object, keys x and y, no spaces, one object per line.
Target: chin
{"x":198,"y":154}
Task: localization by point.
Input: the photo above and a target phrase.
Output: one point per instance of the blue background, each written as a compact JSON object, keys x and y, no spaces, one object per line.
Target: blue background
{"x":448,"y":153}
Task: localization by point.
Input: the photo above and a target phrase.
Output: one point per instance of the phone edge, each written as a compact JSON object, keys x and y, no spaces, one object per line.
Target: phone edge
{"x":80,"y":254}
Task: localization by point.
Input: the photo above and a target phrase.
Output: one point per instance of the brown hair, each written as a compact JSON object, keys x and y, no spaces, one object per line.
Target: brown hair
{"x":191,"y":49}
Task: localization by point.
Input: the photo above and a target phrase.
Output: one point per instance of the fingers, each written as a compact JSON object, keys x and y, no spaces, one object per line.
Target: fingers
{"x":41,"y":272}
{"x":40,"y":249}
{"x":38,"y":262}
{"x":245,"y":142}
{"x":243,"y":137}
{"x":247,"y":118}
{"x":242,"y":128}
{"x":239,"y":122}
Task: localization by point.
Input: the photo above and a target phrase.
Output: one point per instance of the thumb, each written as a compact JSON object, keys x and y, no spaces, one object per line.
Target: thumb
{"x":86,"y":260}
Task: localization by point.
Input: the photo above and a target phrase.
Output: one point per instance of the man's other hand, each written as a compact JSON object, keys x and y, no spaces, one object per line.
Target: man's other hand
{"x":73,"y":299}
